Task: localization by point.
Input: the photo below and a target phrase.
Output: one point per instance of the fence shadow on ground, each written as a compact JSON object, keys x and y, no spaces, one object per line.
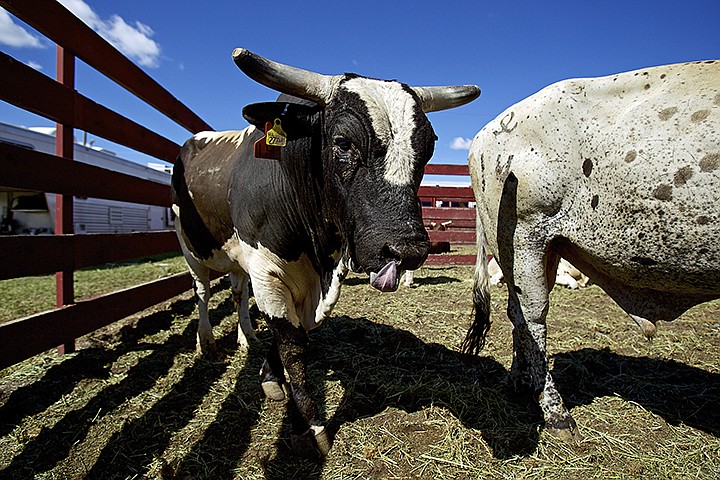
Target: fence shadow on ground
{"x":53,"y":444}
{"x":93,"y":362}
{"x":378,"y":366}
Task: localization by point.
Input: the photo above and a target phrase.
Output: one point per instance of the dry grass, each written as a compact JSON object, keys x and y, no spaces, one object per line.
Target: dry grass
{"x":29,"y":295}
{"x":137,"y":402}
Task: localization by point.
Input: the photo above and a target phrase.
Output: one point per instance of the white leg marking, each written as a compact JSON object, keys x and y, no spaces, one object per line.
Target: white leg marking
{"x":201,"y":278}
{"x":409,"y":278}
{"x":241,"y":292}
{"x":327,"y":303}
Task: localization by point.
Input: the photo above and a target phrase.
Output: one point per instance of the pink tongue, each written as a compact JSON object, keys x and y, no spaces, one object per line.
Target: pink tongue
{"x":387,"y":279}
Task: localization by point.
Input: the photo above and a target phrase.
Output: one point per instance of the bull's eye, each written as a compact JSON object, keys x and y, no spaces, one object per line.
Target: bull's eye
{"x":343,"y":143}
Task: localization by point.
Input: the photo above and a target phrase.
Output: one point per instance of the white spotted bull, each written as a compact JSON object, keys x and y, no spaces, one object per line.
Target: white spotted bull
{"x":620,"y":175}
{"x":344,"y":189}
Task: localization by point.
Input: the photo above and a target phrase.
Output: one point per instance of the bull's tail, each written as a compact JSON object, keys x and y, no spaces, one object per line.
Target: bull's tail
{"x":475,"y":337}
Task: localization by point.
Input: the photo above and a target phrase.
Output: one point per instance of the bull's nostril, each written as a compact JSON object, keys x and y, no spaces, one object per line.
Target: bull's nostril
{"x":409,"y":255}
{"x":392,"y":252}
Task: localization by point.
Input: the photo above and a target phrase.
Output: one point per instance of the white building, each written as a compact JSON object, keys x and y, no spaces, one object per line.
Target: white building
{"x":33,"y":213}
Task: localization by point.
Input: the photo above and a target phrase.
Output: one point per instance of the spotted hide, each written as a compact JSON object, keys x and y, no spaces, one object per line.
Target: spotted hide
{"x":342,"y":194}
{"x":620,"y":175}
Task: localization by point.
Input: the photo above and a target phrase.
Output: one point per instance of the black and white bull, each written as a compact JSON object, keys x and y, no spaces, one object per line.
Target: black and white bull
{"x":620,"y":175}
{"x":343,"y":193}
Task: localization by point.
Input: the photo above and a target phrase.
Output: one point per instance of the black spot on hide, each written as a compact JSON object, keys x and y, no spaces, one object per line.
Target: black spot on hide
{"x":699,"y":116}
{"x":645,"y":261}
{"x":710,"y":162}
{"x":663,"y":192}
{"x":682,"y":176}
{"x":667,"y":113}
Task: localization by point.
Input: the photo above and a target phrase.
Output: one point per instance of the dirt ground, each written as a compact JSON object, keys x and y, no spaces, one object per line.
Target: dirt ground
{"x":401,"y":402}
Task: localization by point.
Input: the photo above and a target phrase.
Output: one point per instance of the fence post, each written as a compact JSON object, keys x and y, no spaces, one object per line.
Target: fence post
{"x":64,"y":147}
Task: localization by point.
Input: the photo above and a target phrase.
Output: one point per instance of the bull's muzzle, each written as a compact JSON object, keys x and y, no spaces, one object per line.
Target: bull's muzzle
{"x":399,"y":257}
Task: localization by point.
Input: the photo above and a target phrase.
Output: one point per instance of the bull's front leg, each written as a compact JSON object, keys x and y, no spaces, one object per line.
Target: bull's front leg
{"x":308,"y":431}
{"x":528,"y":302}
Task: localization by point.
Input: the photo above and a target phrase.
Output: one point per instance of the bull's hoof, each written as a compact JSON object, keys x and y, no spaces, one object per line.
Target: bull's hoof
{"x":273,"y":390}
{"x":207,"y":348}
{"x":565,"y":430}
{"x":244,"y":343}
{"x":313,"y":442}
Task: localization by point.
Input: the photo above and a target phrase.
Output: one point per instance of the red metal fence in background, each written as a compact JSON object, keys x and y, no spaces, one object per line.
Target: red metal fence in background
{"x":65,"y":252}
{"x":441,"y":204}
{"x":57,"y":100}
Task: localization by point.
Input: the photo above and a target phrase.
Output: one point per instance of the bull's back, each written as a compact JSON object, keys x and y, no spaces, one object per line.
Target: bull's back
{"x":201,"y":188}
{"x":626,"y":168}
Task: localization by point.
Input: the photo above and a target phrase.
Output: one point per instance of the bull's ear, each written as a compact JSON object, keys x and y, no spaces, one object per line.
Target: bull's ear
{"x":296,"y":119}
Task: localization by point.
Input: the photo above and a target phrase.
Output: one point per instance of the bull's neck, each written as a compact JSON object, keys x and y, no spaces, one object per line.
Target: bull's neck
{"x":310,"y":201}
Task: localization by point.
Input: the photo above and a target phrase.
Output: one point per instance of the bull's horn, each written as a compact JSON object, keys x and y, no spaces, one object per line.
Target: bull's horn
{"x":284,"y":78}
{"x":433,"y":99}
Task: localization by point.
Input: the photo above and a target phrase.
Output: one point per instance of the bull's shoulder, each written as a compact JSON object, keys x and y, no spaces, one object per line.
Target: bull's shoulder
{"x":228,"y":139}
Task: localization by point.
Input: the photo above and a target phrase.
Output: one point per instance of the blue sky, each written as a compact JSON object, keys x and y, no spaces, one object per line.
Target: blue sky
{"x":510,"y":49}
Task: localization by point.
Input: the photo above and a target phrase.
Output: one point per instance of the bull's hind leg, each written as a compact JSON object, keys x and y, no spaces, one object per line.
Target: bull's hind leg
{"x":528,"y":304}
{"x":201,"y":280}
{"x":241,"y":292}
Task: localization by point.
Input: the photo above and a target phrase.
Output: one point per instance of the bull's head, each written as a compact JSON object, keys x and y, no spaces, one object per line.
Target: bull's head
{"x":376,"y":142}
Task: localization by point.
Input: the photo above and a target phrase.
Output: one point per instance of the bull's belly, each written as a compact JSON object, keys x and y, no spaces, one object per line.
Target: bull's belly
{"x":668,"y":246}
{"x":665,"y":270}
{"x":282,"y":288}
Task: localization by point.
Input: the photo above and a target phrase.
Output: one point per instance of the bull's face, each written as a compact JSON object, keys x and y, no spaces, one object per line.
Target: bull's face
{"x":376,"y":142}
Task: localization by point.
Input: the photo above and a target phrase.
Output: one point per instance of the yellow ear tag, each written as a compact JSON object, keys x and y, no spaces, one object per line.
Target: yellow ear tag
{"x":276,"y":137}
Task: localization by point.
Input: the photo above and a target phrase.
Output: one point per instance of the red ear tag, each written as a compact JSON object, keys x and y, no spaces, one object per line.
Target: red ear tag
{"x":263,"y":150}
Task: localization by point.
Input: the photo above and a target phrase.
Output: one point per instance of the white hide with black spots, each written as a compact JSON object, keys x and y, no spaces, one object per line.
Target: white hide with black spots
{"x":620,"y":175}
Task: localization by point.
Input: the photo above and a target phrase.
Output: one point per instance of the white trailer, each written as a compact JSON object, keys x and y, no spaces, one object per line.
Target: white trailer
{"x":33,"y":213}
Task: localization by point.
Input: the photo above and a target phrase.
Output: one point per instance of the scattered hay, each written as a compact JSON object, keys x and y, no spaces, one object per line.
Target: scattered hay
{"x":401,"y":401}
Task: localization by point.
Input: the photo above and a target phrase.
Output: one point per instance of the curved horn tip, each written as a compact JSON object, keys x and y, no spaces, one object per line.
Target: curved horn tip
{"x":239,"y":53}
{"x":442,"y":98}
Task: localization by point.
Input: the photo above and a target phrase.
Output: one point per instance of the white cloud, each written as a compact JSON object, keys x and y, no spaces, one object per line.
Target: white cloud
{"x":460,"y":143}
{"x":133,"y":40}
{"x":34,"y":64}
{"x":14,"y":35}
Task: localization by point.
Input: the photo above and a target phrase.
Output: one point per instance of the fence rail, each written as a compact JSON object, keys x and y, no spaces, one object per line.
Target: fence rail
{"x":462,"y":229}
{"x":62,"y":27}
{"x":58,"y":101}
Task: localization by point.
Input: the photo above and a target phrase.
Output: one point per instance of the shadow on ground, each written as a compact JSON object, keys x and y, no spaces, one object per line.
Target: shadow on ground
{"x":679,"y":393}
{"x":378,"y":366}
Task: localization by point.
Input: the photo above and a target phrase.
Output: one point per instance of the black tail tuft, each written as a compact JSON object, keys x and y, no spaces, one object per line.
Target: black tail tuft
{"x":475,"y":337}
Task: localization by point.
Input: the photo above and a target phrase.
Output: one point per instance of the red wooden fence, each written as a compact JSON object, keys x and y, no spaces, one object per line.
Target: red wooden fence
{"x":63,"y":253}
{"x":57,"y":100}
{"x":462,"y":229}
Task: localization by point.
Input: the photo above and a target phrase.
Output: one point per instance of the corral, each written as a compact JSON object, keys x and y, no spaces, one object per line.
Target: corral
{"x":403,"y":402}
